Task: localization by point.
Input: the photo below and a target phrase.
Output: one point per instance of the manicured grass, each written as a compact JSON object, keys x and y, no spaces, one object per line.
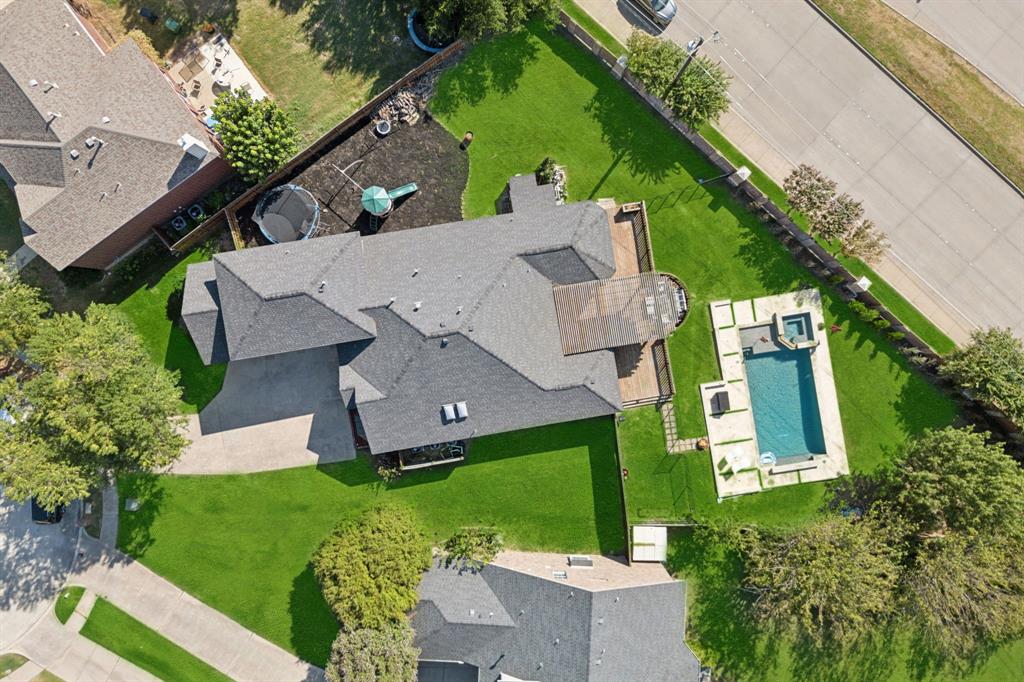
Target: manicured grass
{"x":242,"y":543}
{"x":880,"y":289}
{"x":321,"y":60}
{"x":9,"y":663}
{"x":67,"y":601}
{"x":723,"y":633}
{"x":168,"y":343}
{"x":119,"y":633}
{"x":968,"y":100}
{"x":535,"y":94}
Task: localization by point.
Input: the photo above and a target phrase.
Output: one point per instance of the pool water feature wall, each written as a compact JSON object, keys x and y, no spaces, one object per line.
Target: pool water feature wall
{"x":784,"y":400}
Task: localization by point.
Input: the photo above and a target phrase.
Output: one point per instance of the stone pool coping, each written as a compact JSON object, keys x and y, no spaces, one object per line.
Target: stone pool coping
{"x":732,"y":435}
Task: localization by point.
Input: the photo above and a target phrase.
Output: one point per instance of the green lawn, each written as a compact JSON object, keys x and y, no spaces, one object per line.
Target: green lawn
{"x":67,"y":601}
{"x":536,"y":94}
{"x":119,"y":633}
{"x":722,"y":632}
{"x":169,"y":344}
{"x":10,"y":662}
{"x":242,"y":543}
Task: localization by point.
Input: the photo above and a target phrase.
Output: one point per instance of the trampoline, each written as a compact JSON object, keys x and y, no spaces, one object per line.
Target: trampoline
{"x":287,"y":213}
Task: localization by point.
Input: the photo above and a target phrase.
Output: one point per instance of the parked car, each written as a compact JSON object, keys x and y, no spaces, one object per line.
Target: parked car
{"x":41,"y":515}
{"x":661,"y":12}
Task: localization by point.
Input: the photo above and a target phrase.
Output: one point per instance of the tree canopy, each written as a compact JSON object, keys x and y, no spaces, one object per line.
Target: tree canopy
{"x":475,"y":19}
{"x":829,"y":581}
{"x":93,"y":403}
{"x":21,"y":310}
{"x":258,"y":135}
{"x":808,"y":190}
{"x":473,"y":546}
{"x":698,"y":97}
{"x":992,"y":367}
{"x":369,"y":568}
{"x":366,"y":655}
{"x":865,"y":241}
{"x":952,"y":479}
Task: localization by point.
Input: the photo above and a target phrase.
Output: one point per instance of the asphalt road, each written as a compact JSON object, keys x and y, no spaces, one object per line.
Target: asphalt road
{"x":802,"y":93}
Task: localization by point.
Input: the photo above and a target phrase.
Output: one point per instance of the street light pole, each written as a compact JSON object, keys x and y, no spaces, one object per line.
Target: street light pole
{"x":691,"y":50}
{"x":743,"y":173}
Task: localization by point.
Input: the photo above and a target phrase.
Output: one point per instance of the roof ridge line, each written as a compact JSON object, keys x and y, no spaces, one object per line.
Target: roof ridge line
{"x":39,"y":144}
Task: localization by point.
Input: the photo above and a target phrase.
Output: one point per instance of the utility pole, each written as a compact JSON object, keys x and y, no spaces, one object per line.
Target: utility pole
{"x":691,"y":50}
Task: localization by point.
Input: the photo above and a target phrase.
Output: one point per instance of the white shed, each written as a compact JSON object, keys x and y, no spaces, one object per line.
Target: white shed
{"x":650,"y":543}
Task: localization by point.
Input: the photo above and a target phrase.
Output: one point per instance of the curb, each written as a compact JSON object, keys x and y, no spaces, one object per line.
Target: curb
{"x":863,"y":50}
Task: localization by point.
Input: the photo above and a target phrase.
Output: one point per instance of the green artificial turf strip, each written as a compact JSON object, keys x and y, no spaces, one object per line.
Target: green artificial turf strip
{"x":10,"y":662}
{"x":591,"y":26}
{"x":119,"y":633}
{"x":535,"y":94}
{"x":168,"y":343}
{"x":241,"y":543}
{"x":67,"y":601}
{"x":723,"y":633}
{"x":903,"y":309}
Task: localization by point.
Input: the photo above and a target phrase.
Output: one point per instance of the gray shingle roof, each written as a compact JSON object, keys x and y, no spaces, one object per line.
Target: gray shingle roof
{"x":558,"y":632}
{"x":425,"y":317}
{"x":42,"y":41}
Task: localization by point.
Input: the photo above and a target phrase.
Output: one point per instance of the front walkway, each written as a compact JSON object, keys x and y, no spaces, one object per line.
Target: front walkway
{"x":181,"y":618}
{"x":275,"y":412}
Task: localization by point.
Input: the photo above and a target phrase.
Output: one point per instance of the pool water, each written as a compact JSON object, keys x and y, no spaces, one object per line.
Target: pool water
{"x":784,"y":402}
{"x":797,"y":327}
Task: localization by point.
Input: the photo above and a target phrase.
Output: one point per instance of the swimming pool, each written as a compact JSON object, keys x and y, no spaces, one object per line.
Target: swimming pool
{"x":785,"y":403}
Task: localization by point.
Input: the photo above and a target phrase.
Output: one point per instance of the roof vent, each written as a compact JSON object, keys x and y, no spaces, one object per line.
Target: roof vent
{"x":580,"y":561}
{"x":449,"y":412}
{"x":54,"y":114}
{"x":192,"y":146}
{"x":74,"y":154}
{"x":461,"y":410}
{"x":444,"y":342}
{"x":90,"y":142}
{"x":416,"y":305}
{"x":415,"y":271}
{"x":391,"y":300}
{"x":105,"y":119}
{"x":50,"y":86}
{"x":33,"y":82}
{"x":323,"y":285}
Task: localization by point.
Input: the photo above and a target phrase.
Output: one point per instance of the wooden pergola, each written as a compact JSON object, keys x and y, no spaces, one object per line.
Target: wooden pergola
{"x":611,"y":313}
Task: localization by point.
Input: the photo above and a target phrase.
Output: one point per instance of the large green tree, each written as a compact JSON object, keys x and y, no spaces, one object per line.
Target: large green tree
{"x":475,"y":19}
{"x":952,"y":479}
{"x":808,"y":190}
{"x":992,"y":367}
{"x":697,"y":97}
{"x":93,"y":404}
{"x":967,"y":590}
{"x":831,"y":581}
{"x":369,"y":568}
{"x":258,"y":135}
{"x":386,"y":655}
{"x":21,"y":309}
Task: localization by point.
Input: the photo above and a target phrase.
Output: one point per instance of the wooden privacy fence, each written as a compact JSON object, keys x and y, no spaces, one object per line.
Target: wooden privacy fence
{"x":804,"y":247}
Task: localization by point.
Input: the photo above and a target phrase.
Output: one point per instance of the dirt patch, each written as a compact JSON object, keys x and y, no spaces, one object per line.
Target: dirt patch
{"x":424,"y":153}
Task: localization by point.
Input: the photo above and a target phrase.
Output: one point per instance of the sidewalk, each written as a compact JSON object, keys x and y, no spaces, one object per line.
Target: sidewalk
{"x":181,"y":618}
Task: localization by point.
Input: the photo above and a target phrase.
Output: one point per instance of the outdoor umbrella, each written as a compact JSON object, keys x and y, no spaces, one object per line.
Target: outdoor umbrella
{"x":376,"y":200}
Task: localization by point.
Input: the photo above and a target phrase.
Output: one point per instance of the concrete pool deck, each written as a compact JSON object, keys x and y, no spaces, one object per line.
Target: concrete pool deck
{"x":735,"y":454}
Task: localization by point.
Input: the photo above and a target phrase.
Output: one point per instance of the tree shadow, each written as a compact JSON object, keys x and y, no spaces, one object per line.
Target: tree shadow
{"x":495,"y":68}
{"x":135,"y":528}
{"x":313,"y":626}
{"x":367,"y":38}
{"x":190,"y":14}
{"x":868,"y":660}
{"x":288,"y":6}
{"x":720,"y":615}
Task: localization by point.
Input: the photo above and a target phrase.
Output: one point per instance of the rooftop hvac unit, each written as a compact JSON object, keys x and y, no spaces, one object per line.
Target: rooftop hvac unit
{"x":580,"y":561}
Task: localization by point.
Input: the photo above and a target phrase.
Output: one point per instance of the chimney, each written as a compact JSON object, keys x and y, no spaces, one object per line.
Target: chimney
{"x":193,"y":146}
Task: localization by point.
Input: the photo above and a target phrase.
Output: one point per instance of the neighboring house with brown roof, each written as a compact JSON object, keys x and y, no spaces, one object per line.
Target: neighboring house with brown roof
{"x":98,"y":147}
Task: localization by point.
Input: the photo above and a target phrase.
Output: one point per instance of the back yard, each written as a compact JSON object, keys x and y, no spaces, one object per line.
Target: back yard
{"x":321,"y":59}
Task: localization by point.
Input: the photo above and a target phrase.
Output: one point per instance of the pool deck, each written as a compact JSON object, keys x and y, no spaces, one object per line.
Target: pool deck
{"x":735,"y":455}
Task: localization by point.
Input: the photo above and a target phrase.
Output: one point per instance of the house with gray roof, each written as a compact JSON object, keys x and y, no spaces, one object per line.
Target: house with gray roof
{"x":97,"y":145}
{"x":444,"y":332}
{"x":529,"y":616}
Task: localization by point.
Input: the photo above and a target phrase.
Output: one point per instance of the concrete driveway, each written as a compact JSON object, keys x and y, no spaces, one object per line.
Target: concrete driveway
{"x":34,"y":562}
{"x":274,"y":412}
{"x":802,"y":93}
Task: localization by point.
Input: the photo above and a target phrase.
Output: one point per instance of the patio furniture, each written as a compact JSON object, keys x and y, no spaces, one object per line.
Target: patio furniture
{"x":403,"y":190}
{"x":148,"y":14}
{"x":196,"y":87}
